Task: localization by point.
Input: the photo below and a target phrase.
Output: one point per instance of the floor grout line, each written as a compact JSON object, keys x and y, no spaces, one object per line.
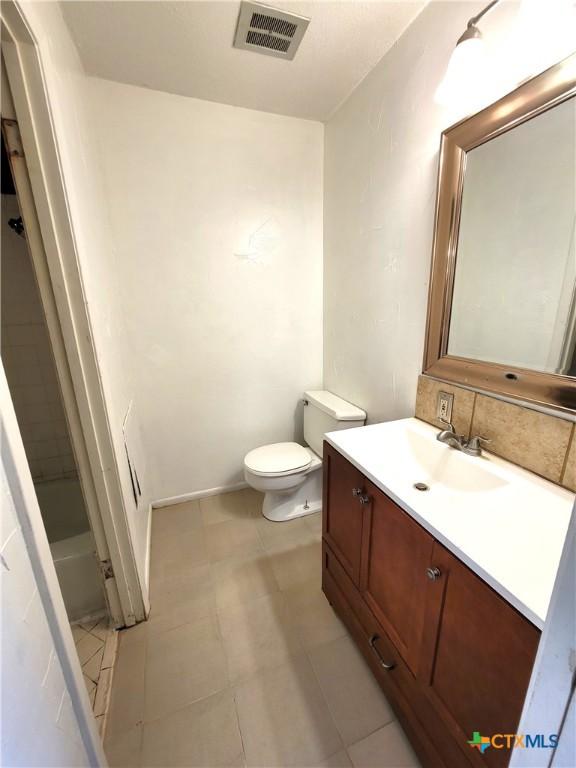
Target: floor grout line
{"x":325,"y":700}
{"x":240,"y":728}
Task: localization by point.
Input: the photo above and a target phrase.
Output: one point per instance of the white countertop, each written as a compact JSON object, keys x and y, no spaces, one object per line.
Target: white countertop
{"x":507,"y":524}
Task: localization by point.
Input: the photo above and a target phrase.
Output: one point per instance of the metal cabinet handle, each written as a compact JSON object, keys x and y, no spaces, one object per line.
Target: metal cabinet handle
{"x":359,"y":494}
{"x":433,"y":573}
{"x":372,"y":643}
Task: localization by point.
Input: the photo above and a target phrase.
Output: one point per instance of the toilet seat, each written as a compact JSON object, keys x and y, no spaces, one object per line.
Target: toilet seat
{"x":278,"y":459}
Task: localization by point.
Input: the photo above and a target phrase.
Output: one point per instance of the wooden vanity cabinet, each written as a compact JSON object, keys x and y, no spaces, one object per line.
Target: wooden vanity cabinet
{"x":452,"y":656}
{"x":343,"y":494}
{"x":477,"y":654}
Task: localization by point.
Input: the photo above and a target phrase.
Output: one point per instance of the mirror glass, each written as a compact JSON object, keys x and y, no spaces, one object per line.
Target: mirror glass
{"x":514,"y":299}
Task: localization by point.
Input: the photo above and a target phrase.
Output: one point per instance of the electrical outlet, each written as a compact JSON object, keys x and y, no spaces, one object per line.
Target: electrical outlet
{"x":444,"y":406}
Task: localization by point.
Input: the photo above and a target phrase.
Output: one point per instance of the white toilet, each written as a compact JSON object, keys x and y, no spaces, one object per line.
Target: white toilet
{"x":288,"y":473}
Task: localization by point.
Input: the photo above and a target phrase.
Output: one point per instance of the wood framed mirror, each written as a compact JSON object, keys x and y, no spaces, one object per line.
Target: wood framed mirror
{"x":502,"y":298}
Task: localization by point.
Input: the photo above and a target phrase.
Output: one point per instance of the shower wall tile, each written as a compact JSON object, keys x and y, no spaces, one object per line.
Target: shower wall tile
{"x":37,"y":401}
{"x":30,"y":368}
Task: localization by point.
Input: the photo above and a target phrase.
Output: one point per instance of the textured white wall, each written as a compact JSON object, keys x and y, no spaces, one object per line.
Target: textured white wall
{"x":81,"y":166}
{"x":217,"y":217}
{"x":381,"y":158}
{"x":39,"y":727}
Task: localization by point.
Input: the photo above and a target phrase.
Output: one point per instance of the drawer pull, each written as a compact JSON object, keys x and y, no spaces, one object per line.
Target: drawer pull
{"x":362,"y":497}
{"x":372,"y":642}
{"x":433,"y":573}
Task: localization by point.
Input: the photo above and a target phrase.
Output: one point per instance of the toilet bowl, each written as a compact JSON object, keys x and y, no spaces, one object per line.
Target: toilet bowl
{"x":289,"y":474}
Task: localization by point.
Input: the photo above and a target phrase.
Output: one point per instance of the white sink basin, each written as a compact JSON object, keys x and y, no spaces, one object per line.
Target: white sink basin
{"x":504,"y":522}
{"x":444,"y":469}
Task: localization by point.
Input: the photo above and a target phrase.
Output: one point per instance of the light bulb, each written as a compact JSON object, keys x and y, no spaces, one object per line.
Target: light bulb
{"x":544,"y":34}
{"x":463,"y":73}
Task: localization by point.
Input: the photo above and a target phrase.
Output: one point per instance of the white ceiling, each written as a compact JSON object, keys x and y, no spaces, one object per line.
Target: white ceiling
{"x":186,"y":48}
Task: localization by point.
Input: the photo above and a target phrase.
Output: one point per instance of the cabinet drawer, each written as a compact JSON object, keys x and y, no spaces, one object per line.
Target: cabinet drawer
{"x":375,"y":642}
{"x":402,"y":683}
{"x":381,"y":650}
{"x":435,"y":747}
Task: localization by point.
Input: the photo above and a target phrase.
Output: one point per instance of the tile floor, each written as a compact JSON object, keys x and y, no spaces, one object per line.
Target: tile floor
{"x":96,"y":646}
{"x":243,"y":662}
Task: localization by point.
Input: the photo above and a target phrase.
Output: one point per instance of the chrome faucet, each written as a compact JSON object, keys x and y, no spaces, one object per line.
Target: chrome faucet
{"x":449,"y":437}
{"x":472,"y":446}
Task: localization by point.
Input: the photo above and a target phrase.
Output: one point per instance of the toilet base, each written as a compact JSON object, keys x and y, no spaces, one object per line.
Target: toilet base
{"x":305,"y":500}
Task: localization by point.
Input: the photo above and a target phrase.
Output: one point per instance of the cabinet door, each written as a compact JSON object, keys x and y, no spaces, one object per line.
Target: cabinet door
{"x":477,"y":656}
{"x":393,"y":583}
{"x":343,"y":511}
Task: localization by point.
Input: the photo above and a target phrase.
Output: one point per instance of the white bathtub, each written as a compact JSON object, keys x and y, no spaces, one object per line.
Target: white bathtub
{"x":77,"y":571}
{"x":64,"y":514}
{"x":62,"y":505}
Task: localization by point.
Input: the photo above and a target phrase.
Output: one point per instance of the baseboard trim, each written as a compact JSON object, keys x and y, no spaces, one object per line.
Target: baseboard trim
{"x":147,"y":560}
{"x":195,"y":495}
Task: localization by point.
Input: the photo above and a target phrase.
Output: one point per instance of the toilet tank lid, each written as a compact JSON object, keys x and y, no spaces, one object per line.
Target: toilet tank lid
{"x":339,"y":409}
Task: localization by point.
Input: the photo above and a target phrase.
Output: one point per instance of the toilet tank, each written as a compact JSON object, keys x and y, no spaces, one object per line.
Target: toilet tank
{"x":325,"y":412}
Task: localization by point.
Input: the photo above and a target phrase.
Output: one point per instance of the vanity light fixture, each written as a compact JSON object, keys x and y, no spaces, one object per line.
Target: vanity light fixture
{"x":466,"y":61}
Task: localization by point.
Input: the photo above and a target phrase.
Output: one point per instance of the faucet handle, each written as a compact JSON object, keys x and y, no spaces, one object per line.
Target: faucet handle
{"x":448,"y":424}
{"x":475,"y":443}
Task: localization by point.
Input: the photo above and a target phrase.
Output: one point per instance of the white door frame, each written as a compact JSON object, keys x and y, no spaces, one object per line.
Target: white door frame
{"x":550,"y":705}
{"x":48,"y":300}
{"x":51,"y":240}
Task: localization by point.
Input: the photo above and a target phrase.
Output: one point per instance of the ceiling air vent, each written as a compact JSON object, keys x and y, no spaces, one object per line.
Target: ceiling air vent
{"x":267,"y":30}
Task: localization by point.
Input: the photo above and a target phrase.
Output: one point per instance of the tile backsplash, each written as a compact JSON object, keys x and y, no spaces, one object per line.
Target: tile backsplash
{"x":539,"y":442}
